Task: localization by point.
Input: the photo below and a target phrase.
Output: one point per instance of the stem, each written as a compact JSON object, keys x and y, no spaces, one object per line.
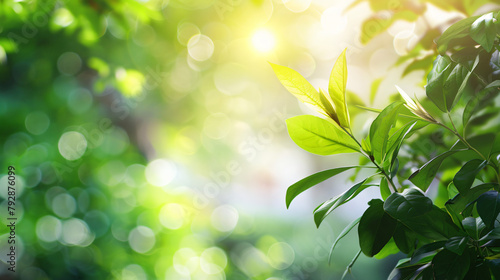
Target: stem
{"x":391,"y":183}
{"x":348,"y":268}
{"x":461,"y":139}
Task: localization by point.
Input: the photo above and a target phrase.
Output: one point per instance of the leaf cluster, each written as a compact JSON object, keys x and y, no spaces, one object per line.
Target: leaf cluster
{"x":455,"y":237}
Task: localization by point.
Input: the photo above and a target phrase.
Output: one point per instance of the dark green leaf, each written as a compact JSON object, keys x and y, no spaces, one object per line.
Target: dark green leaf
{"x":342,"y":234}
{"x":319,"y":136}
{"x":494,"y":266}
{"x":492,"y":235}
{"x":435,"y":225}
{"x":379,"y":130}
{"x":448,"y":265}
{"x":478,"y":272}
{"x":473,"y":226}
{"x":459,"y":203}
{"x":447,"y":81}
{"x":426,"y":251}
{"x":328,"y":206}
{"x":375,"y":228}
{"x":423,"y":177}
{"x":467,"y":174}
{"x":411,"y":203}
{"x":488,"y":207}
{"x":457,"y":244}
{"x":458,"y":30}
{"x":404,"y":238}
{"x":483,"y":31}
{"x":294,"y":190}
{"x":405,"y":271}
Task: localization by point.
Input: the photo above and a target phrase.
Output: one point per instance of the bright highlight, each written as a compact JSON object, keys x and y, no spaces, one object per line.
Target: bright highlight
{"x":263,"y":40}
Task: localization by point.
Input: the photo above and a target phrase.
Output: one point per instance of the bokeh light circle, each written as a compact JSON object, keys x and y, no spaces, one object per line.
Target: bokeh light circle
{"x":141,"y":239}
{"x":224,"y":218}
{"x":200,"y":47}
{"x":160,"y":172}
{"x":37,"y":122}
{"x":72,"y":145}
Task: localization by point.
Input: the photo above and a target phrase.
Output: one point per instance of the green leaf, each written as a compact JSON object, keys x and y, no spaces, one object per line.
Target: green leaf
{"x":472,"y":104}
{"x":389,"y":249}
{"x":298,"y":86}
{"x":458,"y":204}
{"x":457,"y":244}
{"x":426,"y":251}
{"x":494,"y":266}
{"x":448,"y":265}
{"x":405,"y":271}
{"x":483,"y":31}
{"x":458,"y":30}
{"x":478,"y":272}
{"x":375,"y":228}
{"x":447,"y":81}
{"x":411,"y":203}
{"x":467,"y":174}
{"x":492,"y":234}
{"x":473,"y":226}
{"x":336,"y":89}
{"x":318,"y":136}
{"x":374,"y":88}
{"x":405,"y":238}
{"x":435,"y":225}
{"x":423,"y":177}
{"x":342,"y":234}
{"x":379,"y":130}
{"x":419,"y":64}
{"x":328,"y":206}
{"x":396,"y":140}
{"x":488,"y":207}
{"x":328,"y":106}
{"x":294,"y":190}
{"x":385,"y":192}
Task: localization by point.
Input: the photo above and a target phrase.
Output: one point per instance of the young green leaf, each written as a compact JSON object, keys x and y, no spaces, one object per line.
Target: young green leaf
{"x":483,"y":31}
{"x":294,"y":190}
{"x":467,"y":174}
{"x":448,"y":265}
{"x":328,"y":206}
{"x":423,"y":177}
{"x":385,"y":192}
{"x":298,"y":86}
{"x":342,"y":234}
{"x":337,"y":89}
{"x":375,"y":228}
{"x":318,"y":136}
{"x":374,"y":88}
{"x":410,"y":204}
{"x":379,"y":130}
{"x":488,"y":207}
{"x":458,"y":30}
{"x":389,"y":249}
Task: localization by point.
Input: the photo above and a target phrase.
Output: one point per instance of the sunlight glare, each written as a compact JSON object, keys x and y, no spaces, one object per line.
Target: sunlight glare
{"x":263,"y":40}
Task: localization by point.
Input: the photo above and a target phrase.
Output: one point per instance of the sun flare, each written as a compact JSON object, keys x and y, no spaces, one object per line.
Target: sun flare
{"x":263,"y":40}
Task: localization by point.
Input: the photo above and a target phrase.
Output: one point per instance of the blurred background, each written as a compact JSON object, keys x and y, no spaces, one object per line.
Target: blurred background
{"x":149,"y":136}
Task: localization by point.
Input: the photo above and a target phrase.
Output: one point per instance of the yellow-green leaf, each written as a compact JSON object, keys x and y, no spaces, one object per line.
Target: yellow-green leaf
{"x":337,"y":89}
{"x":298,"y":86}
{"x":319,"y":136}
